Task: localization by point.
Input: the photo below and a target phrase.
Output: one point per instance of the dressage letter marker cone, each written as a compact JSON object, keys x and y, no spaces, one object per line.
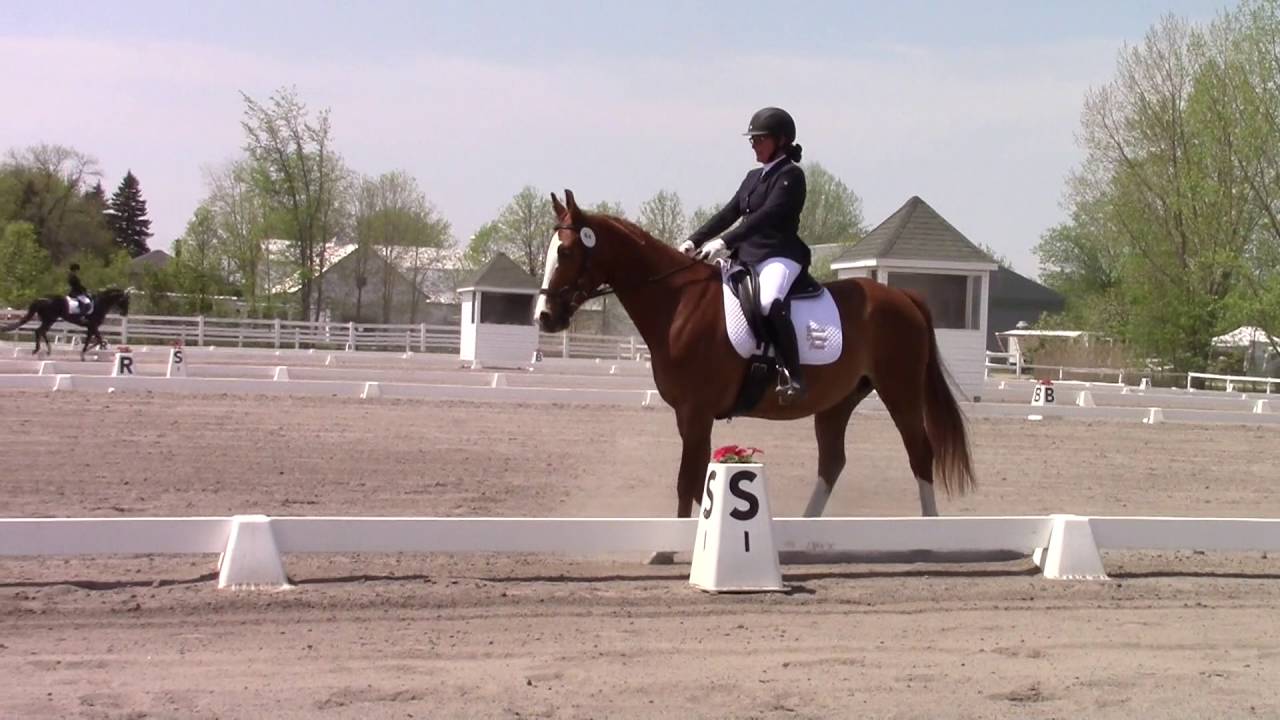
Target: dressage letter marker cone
{"x":734,"y":551}
{"x":176,"y":366}
{"x":123,"y":365}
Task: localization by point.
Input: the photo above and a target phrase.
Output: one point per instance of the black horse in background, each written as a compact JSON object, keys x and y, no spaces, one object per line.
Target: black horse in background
{"x":54,"y":308}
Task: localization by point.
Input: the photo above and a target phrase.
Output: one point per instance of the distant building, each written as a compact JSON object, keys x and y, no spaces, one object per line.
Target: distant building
{"x":379,"y":286}
{"x":1014,"y":299}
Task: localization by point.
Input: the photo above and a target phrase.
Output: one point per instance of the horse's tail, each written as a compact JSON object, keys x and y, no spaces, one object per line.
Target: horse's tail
{"x":943,"y":421}
{"x":31,"y":312}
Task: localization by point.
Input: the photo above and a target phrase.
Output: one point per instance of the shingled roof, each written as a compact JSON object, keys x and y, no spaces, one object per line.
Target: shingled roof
{"x":915,"y":232}
{"x":502,"y":273}
{"x":1008,"y":286}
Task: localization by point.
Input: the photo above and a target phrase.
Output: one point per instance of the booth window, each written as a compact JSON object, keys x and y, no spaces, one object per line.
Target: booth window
{"x":506,"y":309}
{"x":947,"y":297}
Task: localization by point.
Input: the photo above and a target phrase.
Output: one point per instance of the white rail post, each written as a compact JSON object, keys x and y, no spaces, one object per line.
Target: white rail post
{"x":564,"y":344}
{"x":124,"y":331}
{"x":351,"y":335}
{"x":200,"y":330}
{"x":422,"y":337}
{"x":275,"y":332}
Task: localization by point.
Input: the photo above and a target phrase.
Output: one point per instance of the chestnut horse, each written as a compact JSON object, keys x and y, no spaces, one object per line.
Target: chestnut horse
{"x":676,"y":304}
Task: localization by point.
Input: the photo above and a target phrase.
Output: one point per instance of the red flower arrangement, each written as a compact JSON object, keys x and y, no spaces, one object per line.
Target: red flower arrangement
{"x":735,"y":454}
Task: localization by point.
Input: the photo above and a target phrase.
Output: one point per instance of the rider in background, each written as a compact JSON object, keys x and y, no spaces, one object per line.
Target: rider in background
{"x":769,"y":203}
{"x":78,"y":291}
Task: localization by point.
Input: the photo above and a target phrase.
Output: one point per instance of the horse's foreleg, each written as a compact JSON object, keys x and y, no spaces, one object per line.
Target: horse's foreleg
{"x":695,"y":435}
{"x":829,"y":426}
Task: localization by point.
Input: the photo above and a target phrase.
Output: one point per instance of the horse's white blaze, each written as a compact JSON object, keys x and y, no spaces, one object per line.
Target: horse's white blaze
{"x":548,"y":268}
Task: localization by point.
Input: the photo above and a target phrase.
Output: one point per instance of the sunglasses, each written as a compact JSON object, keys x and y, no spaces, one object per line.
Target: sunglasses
{"x":757,"y":139}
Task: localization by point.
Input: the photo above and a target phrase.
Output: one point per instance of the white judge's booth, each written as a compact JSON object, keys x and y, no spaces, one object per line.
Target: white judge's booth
{"x":497,"y":316}
{"x":916,"y":249}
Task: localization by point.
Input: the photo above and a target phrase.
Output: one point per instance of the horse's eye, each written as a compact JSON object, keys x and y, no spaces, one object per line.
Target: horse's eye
{"x":562,"y":252}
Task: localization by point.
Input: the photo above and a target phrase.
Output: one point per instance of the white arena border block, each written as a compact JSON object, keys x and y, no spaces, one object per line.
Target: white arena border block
{"x":1072,"y":553}
{"x":251,"y":560}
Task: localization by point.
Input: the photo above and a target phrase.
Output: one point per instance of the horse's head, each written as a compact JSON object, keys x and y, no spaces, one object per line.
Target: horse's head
{"x":572,"y":273}
{"x":114,"y":299}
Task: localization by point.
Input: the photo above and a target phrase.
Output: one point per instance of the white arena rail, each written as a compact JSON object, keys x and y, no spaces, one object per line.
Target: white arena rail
{"x":248,"y":332}
{"x":1234,"y":381}
{"x":251,"y":545}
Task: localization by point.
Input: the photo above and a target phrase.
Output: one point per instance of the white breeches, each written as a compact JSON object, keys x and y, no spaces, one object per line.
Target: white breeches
{"x":776,"y":276}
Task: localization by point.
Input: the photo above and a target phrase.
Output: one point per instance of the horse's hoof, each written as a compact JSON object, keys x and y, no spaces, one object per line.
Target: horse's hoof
{"x":662,"y":558}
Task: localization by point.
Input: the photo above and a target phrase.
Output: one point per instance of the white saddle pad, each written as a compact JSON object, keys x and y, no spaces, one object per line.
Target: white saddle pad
{"x":817,"y":323}
{"x":73,"y":306}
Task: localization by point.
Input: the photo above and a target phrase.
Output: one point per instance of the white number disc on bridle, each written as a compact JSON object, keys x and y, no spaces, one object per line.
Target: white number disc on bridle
{"x":588,"y":237}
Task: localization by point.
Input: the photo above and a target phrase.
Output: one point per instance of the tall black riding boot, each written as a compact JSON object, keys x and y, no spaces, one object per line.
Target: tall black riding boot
{"x":791,"y":385}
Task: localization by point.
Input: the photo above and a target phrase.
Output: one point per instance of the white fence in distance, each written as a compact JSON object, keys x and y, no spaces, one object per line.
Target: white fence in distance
{"x":251,"y":546}
{"x":1233,"y":382}
{"x":421,"y":337}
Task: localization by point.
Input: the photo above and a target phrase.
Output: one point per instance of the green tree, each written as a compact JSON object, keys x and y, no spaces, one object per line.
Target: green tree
{"x":127,"y":217}
{"x":24,"y":265}
{"x":832,"y":212}
{"x":242,"y":216}
{"x":1162,"y":218}
{"x":700,"y":216}
{"x":395,"y":221}
{"x":45,"y":185}
{"x":662,"y":216}
{"x":197,"y":265}
{"x":522,"y":231}
{"x":296,"y":167}
{"x":605,"y":207}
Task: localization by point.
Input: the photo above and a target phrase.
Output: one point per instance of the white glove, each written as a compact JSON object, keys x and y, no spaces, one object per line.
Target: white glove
{"x":709,"y":249}
{"x":687,"y":247}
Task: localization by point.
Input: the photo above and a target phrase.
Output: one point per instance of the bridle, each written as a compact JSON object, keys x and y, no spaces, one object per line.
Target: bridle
{"x":578,"y":294}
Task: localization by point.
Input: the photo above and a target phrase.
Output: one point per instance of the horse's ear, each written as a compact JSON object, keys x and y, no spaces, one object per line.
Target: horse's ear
{"x":561,"y":213}
{"x":574,"y":213}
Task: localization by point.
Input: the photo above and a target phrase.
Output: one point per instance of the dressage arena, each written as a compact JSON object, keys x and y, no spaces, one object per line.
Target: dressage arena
{"x":1171,"y":634}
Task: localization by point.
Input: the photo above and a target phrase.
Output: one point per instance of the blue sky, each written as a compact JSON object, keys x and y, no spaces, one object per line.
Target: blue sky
{"x":971,"y":105}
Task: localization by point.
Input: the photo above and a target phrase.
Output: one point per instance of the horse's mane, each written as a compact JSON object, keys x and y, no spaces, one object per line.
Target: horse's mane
{"x":637,"y":233}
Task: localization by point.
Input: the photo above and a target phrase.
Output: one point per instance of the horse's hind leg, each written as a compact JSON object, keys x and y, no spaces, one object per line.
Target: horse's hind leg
{"x":904,"y":399}
{"x":42,"y":332}
{"x":829,"y":426}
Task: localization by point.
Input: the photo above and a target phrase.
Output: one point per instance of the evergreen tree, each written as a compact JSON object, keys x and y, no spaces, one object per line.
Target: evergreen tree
{"x":127,"y":216}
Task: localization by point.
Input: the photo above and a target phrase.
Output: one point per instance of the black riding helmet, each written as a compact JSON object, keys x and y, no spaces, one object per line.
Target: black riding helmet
{"x":773,"y":121}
